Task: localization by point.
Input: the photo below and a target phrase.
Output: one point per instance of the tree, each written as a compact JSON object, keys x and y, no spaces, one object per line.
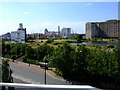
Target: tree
{"x":6,"y":72}
{"x":22,"y":49}
{"x":110,"y":46}
{"x":63,"y":59}
{"x":43,"y":51}
{"x":13,"y":50}
{"x":79,"y":37}
{"x":29,"y":52}
{"x":117,"y":57}
{"x":79,"y":65}
{"x":49,"y":40}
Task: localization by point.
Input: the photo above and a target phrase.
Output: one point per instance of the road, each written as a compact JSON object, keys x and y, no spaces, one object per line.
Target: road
{"x":33,"y":74}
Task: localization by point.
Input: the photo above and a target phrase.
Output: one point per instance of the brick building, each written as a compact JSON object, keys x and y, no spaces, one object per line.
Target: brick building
{"x":108,"y":29}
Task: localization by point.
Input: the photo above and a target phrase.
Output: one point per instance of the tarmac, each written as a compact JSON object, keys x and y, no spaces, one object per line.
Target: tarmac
{"x":34,"y":68}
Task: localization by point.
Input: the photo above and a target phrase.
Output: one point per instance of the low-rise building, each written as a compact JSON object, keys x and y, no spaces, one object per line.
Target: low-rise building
{"x":35,"y":36}
{"x":6,"y":36}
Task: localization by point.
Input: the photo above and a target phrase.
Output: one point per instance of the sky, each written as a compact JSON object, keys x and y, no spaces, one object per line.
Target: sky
{"x":37,"y":16}
{"x":119,"y":10}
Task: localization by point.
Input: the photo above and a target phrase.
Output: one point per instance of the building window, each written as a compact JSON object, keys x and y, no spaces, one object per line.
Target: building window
{"x":22,"y":39}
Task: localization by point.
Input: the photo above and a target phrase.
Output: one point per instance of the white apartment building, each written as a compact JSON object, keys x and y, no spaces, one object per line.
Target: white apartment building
{"x":19,"y":35}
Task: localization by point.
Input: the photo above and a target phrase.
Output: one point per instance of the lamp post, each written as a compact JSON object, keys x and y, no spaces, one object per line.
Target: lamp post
{"x":45,"y":67}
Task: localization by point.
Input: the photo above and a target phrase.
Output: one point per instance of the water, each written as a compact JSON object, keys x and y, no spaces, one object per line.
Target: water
{"x":114,"y":43}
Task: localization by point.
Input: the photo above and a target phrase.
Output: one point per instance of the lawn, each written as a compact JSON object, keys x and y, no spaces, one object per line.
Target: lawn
{"x":37,"y":42}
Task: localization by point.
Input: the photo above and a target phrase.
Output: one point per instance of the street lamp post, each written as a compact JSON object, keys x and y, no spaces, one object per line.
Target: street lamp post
{"x":46,"y":66}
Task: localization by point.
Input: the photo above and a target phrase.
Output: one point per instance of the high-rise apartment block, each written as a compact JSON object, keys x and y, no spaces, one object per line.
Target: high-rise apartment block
{"x":108,"y":29}
{"x":19,"y":35}
{"x":65,"y":32}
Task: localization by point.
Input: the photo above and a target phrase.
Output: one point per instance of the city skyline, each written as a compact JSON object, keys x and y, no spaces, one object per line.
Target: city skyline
{"x":36,"y":16}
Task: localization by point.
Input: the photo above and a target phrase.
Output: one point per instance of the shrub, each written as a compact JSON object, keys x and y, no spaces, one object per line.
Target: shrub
{"x":96,"y":46}
{"x":70,"y":41}
{"x":58,"y":72}
{"x":56,"y":43}
{"x":110,"y":46}
{"x":24,"y":58}
{"x":49,"y":41}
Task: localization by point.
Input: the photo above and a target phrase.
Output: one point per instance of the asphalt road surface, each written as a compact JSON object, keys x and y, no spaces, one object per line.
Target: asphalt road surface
{"x":35,"y":77}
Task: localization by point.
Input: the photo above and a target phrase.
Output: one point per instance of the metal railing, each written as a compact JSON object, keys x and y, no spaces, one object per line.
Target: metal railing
{"x":48,"y":87}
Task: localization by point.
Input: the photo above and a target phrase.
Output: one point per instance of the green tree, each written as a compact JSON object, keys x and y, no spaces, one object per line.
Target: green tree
{"x":5,"y":49}
{"x":110,"y":46}
{"x":49,"y":40}
{"x":79,"y":37}
{"x":29,"y":52}
{"x":24,"y":58}
{"x":42,"y":51}
{"x":79,"y":65}
{"x":6,"y":72}
{"x":22,"y":49}
{"x":117,"y":57}
{"x":63,"y":59}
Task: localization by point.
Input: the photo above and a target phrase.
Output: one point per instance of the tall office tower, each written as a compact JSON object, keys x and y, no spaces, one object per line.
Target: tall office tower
{"x":19,"y":35}
{"x":58,"y":29}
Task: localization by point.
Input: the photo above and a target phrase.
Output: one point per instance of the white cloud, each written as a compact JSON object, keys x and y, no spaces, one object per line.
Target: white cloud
{"x":88,"y":4}
{"x":26,"y":13}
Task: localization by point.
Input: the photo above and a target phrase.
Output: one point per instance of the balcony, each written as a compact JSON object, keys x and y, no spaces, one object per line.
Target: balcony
{"x":20,"y":86}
